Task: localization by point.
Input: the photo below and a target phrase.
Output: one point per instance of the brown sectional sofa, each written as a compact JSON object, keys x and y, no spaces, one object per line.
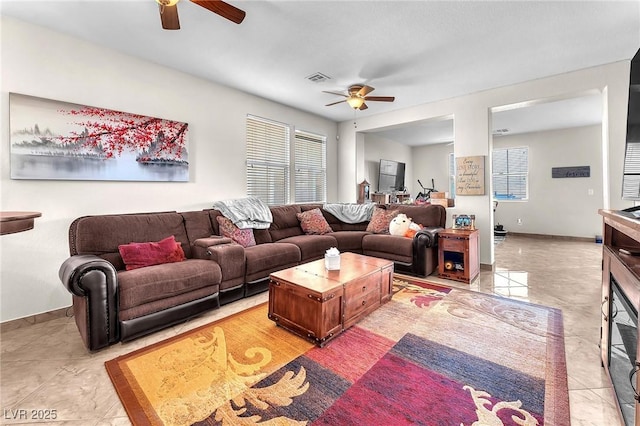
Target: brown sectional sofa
{"x":113,"y":304}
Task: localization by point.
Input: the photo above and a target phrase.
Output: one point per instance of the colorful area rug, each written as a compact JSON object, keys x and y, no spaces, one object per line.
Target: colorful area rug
{"x":432,"y":356}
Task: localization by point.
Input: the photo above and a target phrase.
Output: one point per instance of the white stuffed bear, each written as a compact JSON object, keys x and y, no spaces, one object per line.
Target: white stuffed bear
{"x":403,"y":226}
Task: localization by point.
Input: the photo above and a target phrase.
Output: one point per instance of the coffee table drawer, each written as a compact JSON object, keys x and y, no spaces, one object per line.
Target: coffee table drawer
{"x":361,"y":296}
{"x":362,"y":286}
{"x":362,"y":303}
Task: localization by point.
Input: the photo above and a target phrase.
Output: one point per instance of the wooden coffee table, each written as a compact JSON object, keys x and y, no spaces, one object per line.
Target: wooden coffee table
{"x":319,"y":304}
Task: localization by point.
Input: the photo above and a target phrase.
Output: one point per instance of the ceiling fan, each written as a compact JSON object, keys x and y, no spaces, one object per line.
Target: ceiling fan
{"x":169,"y":11}
{"x":357,"y":95}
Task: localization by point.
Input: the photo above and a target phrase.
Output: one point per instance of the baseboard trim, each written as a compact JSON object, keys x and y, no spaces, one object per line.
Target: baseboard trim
{"x":34,"y":319}
{"x":552,"y":237}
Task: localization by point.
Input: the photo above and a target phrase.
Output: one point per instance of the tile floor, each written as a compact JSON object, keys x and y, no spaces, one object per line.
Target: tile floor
{"x":45,"y":366}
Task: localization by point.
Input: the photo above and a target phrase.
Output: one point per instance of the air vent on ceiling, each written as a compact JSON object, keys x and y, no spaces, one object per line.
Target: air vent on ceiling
{"x":318,"y":77}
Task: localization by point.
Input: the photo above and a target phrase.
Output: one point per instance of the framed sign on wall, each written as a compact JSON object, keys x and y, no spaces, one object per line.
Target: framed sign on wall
{"x":470,"y":175}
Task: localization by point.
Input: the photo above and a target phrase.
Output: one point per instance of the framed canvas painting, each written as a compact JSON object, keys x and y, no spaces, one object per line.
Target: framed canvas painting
{"x":64,"y":141}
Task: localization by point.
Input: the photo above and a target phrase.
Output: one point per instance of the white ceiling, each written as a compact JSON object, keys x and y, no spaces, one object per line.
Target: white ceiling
{"x":417,"y":51}
{"x":581,"y":110}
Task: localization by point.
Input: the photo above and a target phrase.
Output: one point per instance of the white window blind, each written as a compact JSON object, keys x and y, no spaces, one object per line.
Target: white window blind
{"x":452,"y":176}
{"x":310,"y":160}
{"x":510,"y":173}
{"x":631,"y":174}
{"x":268,"y":160}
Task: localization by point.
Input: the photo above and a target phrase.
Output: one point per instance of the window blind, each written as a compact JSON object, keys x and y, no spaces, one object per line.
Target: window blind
{"x":268,"y":160}
{"x":631,"y":172}
{"x":310,"y":160}
{"x":510,"y":173}
{"x":452,"y":176}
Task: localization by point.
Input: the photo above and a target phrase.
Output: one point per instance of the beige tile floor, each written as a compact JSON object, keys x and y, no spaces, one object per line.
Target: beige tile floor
{"x":45,"y":366}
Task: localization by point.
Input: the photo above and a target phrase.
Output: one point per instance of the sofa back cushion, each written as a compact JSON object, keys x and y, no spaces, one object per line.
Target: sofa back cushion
{"x":198,"y":225}
{"x":428,"y":215}
{"x":101,"y":235}
{"x":335,"y":223}
{"x":285,"y":222}
{"x":261,"y":236}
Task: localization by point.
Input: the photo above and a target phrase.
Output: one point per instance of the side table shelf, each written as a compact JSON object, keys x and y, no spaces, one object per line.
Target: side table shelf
{"x":458,"y":257}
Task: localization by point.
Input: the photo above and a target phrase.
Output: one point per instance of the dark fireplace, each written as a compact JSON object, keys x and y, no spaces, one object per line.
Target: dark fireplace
{"x":623,"y":344}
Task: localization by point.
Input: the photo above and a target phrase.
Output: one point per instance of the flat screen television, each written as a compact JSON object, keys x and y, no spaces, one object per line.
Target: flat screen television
{"x":391,"y":176}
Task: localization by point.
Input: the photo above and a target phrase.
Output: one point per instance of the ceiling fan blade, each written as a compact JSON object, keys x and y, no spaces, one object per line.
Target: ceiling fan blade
{"x":365,"y":90}
{"x":334,"y":103}
{"x":335,"y":93}
{"x":169,"y":17}
{"x":223,"y":9}
{"x":380,"y":98}
{"x":363,"y":107}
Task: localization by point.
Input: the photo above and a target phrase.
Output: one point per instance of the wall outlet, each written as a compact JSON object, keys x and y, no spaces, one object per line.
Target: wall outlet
{"x":519,"y":221}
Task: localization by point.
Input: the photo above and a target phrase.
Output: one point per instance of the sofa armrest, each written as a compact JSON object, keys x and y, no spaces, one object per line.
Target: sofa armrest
{"x":428,"y":237}
{"x":93,"y":282}
{"x":229,"y":256}
{"x":214,"y":240}
{"x":425,"y":255}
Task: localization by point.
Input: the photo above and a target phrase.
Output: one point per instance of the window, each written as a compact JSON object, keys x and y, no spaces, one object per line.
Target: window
{"x":268,"y":160}
{"x":510,"y":173}
{"x":452,"y":176}
{"x":270,"y":156}
{"x":310,"y":159}
{"x":631,"y":173}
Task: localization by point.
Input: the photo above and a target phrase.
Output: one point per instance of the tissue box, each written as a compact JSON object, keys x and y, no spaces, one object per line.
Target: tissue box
{"x":332,"y":262}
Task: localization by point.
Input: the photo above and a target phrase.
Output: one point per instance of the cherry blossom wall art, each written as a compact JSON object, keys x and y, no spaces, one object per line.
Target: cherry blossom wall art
{"x":58,"y":140}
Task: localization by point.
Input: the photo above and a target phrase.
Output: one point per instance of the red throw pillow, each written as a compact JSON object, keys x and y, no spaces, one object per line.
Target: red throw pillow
{"x":313,"y":222}
{"x":228,"y":229}
{"x":138,"y":255}
{"x":380,"y":220}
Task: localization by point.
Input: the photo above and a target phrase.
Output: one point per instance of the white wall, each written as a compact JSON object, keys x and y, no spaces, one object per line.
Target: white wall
{"x":377,"y":148}
{"x":431,"y":162}
{"x":471,"y":127}
{"x":566,"y":206}
{"x":38,"y":62}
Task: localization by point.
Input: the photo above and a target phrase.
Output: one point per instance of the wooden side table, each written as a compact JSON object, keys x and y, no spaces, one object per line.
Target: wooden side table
{"x":12,"y":222}
{"x":458,"y":254}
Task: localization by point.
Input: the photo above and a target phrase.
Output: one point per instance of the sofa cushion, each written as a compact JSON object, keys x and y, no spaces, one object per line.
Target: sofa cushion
{"x":198,"y":225}
{"x":168,"y":303}
{"x":228,"y":229}
{"x":311,"y":247}
{"x":146,"y":285}
{"x":392,"y":247}
{"x":285,"y":222}
{"x":101,"y":235}
{"x":139,"y":255}
{"x":349,"y":240}
{"x":430,"y":215}
{"x":313,"y":222}
{"x":380,"y":219}
{"x":263,"y":259}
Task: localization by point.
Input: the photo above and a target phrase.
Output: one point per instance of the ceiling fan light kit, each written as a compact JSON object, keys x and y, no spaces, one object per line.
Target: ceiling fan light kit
{"x":355,"y":102}
{"x":357,"y":95}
